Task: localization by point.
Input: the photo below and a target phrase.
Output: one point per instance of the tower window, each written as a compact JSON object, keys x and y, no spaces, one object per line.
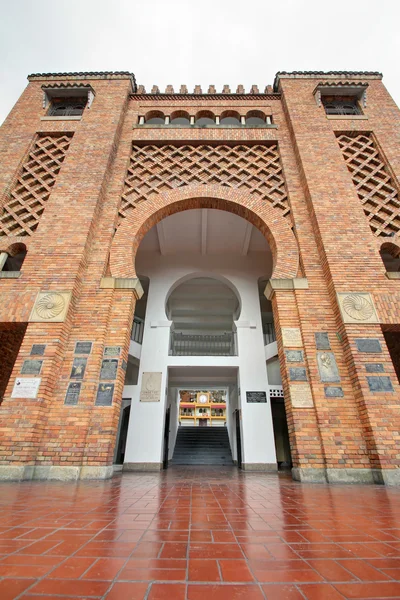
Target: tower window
{"x":341,"y":105}
{"x":67,"y":107}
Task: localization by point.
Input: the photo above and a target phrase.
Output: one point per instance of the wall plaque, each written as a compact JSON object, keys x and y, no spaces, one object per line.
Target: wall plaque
{"x":50,"y":307}
{"x":38,"y":349}
{"x":109,"y":368}
{"x":83,"y":347}
{"x":105,"y":393}
{"x":371,"y":345}
{"x":297,"y":374}
{"x":292,"y":337}
{"x":73,"y":391}
{"x":294,"y":355}
{"x":112,"y":350}
{"x":25,"y":387}
{"x":301,"y":396}
{"x":327,"y":367}
{"x":256,"y":397}
{"x":151,"y":387}
{"x":78,"y":368}
{"x":374,"y":368}
{"x":31,"y":367}
{"x":322,"y":340}
{"x":333,"y":392}
{"x":380,"y":384}
{"x":124,"y":365}
{"x":357,"y":307}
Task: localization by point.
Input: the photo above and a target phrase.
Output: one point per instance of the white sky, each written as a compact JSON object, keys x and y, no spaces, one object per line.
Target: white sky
{"x":208,"y":42}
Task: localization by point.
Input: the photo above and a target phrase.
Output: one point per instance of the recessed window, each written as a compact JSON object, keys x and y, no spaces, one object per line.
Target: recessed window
{"x":67,"y":107}
{"x":155,"y":117}
{"x":180,"y":118}
{"x":341,"y":105}
{"x":230,"y":118}
{"x":205,"y":117}
{"x":255,"y":117}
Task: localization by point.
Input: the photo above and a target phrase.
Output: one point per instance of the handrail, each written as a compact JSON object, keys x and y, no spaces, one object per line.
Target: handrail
{"x":183,"y":344}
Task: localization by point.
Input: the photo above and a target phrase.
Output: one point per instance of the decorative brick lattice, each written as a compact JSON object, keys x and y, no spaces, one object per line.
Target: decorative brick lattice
{"x":155,"y":169}
{"x":27,"y":199}
{"x":374,"y":185}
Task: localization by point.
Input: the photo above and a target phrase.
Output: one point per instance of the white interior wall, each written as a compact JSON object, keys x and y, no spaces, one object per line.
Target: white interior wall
{"x":145,"y":436}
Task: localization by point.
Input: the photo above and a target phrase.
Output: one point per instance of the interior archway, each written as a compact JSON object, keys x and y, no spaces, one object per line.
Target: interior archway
{"x":267,"y":219}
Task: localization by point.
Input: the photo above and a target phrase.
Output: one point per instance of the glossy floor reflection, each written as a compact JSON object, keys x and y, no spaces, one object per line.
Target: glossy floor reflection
{"x":198,"y":533}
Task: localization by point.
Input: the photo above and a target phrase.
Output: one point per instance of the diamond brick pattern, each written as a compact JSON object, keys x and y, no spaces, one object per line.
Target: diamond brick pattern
{"x":29,"y":194}
{"x":154,"y":169}
{"x":374,"y":185}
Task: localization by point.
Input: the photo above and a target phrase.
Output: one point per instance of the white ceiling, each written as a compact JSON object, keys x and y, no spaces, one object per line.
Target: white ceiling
{"x":204,"y":231}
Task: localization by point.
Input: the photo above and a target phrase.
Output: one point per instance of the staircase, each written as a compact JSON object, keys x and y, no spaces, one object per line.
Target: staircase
{"x":202,"y":446}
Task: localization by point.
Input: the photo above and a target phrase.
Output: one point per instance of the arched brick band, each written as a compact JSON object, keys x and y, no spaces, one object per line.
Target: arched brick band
{"x":267,"y":219}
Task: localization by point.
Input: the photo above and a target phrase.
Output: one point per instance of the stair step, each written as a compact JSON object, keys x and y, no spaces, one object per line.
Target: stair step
{"x":202,"y":446}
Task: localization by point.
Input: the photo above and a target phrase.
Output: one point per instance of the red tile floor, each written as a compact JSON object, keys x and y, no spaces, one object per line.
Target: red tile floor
{"x":198,"y":533}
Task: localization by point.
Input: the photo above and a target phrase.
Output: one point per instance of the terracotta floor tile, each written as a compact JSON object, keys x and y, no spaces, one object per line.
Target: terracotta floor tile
{"x":215,"y":551}
{"x":167,"y":591}
{"x":11,"y":588}
{"x":126,"y":591}
{"x":369,"y":590}
{"x":282,"y":592}
{"x":363,"y":570}
{"x":71,"y":587}
{"x":224,"y":592}
{"x":203,"y":570}
{"x":332,"y":570}
{"x":174,"y":550}
{"x":72,"y":568}
{"x":324,"y":591}
{"x":104,"y":569}
{"x":26,"y":571}
{"x":235,"y":571}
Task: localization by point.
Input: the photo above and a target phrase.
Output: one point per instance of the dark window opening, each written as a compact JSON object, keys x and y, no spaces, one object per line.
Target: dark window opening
{"x":341,"y":105}
{"x":14,"y":263}
{"x":392,"y":339}
{"x":67,"y":107}
{"x":11,"y":336}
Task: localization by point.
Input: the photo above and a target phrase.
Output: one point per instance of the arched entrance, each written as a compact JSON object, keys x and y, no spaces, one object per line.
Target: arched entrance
{"x":190,"y":244}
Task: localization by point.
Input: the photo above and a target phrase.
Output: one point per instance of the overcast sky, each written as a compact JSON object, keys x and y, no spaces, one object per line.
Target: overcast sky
{"x":185,"y":42}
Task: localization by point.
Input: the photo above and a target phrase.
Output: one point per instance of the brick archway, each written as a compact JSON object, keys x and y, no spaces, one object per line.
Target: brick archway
{"x":267,"y":219}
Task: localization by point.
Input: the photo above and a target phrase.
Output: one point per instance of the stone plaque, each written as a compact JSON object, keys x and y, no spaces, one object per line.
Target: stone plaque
{"x":301,"y":396}
{"x":151,"y":387}
{"x":26,"y":387}
{"x":109,"y":368}
{"x":371,"y":345}
{"x":78,"y":368}
{"x":297,"y":374}
{"x":112,"y":350}
{"x":374,"y":368}
{"x":294,"y":355}
{"x":31,"y":367}
{"x":333,"y":392}
{"x":83,"y":347}
{"x":124,"y":365}
{"x":357,"y":307}
{"x":38,"y":349}
{"x":327,"y":367}
{"x":50,"y":307}
{"x":256,"y":397}
{"x":380,"y":384}
{"x":322,"y":341}
{"x":292,"y":337}
{"x":105,"y":393}
{"x":73,"y":391}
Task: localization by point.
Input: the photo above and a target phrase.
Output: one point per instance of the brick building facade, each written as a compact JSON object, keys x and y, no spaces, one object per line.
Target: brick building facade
{"x":90,"y":163}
